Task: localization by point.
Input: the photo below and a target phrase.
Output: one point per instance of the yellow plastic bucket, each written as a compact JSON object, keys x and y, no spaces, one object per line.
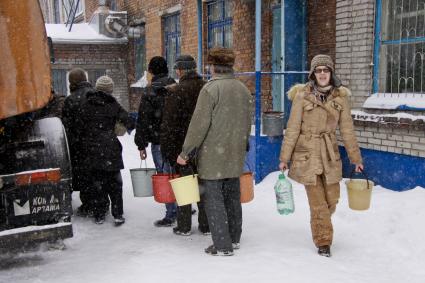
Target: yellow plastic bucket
{"x":359,"y":193}
{"x":186,"y":189}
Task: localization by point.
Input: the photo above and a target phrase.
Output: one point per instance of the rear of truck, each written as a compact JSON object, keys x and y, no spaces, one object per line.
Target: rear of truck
{"x":35,"y":170}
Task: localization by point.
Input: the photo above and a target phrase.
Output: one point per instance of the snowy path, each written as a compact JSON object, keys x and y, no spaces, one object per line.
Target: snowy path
{"x":384,"y":244}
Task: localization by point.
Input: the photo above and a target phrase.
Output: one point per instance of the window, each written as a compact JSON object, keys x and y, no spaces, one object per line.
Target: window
{"x":93,"y":75}
{"x":220,"y":24}
{"x":56,"y":12}
{"x":59,"y":81}
{"x":67,"y":4}
{"x":172,"y":40}
{"x":140,"y":56}
{"x":113,"y":5}
{"x":400,"y":47}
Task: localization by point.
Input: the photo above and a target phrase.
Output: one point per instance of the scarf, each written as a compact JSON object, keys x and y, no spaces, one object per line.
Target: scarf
{"x":321,"y":92}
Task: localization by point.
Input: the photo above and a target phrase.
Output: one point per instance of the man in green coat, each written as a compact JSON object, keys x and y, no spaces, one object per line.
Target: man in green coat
{"x":218,"y":138}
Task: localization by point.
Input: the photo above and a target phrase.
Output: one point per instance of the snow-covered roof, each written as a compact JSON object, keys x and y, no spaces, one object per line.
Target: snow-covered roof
{"x":79,"y":34}
{"x":400,"y":101}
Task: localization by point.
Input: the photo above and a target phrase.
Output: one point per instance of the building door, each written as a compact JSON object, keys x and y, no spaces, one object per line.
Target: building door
{"x":289,"y":53}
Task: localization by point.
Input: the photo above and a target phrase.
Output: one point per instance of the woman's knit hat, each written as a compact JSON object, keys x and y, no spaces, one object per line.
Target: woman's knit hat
{"x":324,"y":60}
{"x":320,"y":60}
{"x":157,"y":65}
{"x":105,"y":84}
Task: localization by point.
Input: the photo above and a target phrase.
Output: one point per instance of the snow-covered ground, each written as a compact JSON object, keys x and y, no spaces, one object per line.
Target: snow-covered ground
{"x":384,"y":244}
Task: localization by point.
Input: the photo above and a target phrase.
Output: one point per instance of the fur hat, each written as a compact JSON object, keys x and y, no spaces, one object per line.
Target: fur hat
{"x":157,"y":65}
{"x":105,"y":84}
{"x":324,"y":60}
{"x":221,"y":56}
{"x":185,"y":62}
{"x":77,"y":75}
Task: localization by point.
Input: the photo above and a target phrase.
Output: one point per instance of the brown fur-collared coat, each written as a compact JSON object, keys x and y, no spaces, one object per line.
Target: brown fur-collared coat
{"x":310,"y":139}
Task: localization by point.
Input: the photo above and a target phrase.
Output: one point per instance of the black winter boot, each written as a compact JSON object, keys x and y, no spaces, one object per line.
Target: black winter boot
{"x":211,"y":250}
{"x":324,"y":251}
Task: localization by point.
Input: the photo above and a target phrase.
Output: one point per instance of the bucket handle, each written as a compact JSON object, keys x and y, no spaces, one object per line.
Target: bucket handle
{"x":189,"y":164}
{"x":191,"y":168}
{"x":146,"y":166}
{"x":361,"y":172}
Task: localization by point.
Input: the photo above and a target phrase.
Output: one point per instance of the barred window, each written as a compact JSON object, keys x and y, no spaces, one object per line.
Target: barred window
{"x":401,"y":52}
{"x":220,"y":23}
{"x":172,"y":40}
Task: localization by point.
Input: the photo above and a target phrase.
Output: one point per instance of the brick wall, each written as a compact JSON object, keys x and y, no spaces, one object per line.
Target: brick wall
{"x":243,"y":36}
{"x":354,"y":47}
{"x":151,"y":11}
{"x":109,"y":57}
{"x":321,"y":17}
{"x":391,"y":134}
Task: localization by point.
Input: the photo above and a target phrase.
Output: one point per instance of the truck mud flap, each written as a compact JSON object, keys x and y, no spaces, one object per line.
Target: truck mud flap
{"x":26,"y":237}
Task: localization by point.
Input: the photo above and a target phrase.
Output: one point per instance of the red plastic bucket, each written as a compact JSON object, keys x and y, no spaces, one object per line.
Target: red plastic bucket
{"x":162,"y":191}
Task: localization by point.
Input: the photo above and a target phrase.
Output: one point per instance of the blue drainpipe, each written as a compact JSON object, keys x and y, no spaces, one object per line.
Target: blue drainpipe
{"x":199,"y":64}
{"x":257,"y":86}
{"x":282,"y":55}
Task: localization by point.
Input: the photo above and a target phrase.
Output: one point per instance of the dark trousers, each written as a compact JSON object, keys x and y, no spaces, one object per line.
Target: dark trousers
{"x":184,"y":217}
{"x":81,"y":182}
{"x":184,"y":213}
{"x":224,"y":211}
{"x":104,"y":184}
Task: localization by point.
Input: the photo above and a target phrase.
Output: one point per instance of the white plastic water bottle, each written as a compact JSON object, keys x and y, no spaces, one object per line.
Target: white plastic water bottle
{"x":284,"y":195}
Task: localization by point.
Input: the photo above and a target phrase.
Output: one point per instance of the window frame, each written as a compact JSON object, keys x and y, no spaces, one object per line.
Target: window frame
{"x":220,"y":24}
{"x":66,"y":8}
{"x":168,"y":36}
{"x":113,"y":6}
{"x":140,"y":67}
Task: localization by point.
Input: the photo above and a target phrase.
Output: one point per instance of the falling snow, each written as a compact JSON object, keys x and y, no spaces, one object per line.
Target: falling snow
{"x":383,"y":244}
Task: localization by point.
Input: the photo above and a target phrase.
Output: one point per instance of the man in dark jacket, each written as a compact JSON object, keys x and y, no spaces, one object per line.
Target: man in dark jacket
{"x":178,"y":110}
{"x":71,"y":119}
{"x":149,"y":124}
{"x":101,"y":151}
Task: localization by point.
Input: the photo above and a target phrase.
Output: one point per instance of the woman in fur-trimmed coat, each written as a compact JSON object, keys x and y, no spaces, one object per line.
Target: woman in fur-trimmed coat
{"x":310,"y":143}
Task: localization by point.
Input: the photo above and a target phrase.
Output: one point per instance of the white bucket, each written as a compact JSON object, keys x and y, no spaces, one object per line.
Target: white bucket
{"x":141,"y":178}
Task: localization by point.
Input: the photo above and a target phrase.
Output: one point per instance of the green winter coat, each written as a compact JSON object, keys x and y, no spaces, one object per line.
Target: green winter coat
{"x":219,"y":129}
{"x":310,"y":141}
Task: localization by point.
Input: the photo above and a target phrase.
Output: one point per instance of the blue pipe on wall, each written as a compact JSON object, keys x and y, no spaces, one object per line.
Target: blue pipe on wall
{"x":283,"y":53}
{"x":199,"y":64}
{"x":257,"y":82}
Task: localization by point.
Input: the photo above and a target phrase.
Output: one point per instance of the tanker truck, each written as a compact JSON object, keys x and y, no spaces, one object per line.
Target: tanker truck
{"x":35,"y":170}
